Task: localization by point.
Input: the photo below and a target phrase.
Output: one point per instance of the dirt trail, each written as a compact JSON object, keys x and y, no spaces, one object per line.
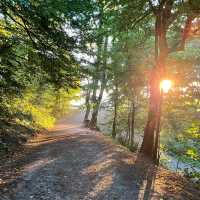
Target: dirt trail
{"x":73,"y":163}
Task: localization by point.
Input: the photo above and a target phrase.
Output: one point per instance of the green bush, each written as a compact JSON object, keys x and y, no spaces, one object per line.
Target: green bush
{"x":37,"y":108}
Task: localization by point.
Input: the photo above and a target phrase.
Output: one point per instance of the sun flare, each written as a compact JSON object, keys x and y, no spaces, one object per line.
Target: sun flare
{"x":165,"y":85}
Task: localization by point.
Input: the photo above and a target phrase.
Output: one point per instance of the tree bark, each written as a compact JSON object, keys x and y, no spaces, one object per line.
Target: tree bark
{"x":115,"y":112}
{"x":132,"y":129}
{"x":164,"y":18}
{"x":87,"y":104}
{"x":93,"y":121}
{"x":103,"y":81}
{"x":114,"y":121}
{"x":148,"y":145}
{"x":151,"y":132}
{"x":129,"y":127}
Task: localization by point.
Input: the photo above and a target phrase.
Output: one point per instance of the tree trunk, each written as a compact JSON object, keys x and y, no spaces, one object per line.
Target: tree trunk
{"x":148,"y":145}
{"x":129,"y":127}
{"x":164,"y":18}
{"x":114,"y":120}
{"x":151,"y":133}
{"x":132,"y":129}
{"x":93,"y":121}
{"x":87,"y":104}
{"x":103,"y":81}
{"x":115,"y":112}
{"x":157,"y":133}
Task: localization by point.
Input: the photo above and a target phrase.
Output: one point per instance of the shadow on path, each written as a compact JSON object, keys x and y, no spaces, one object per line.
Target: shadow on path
{"x":74,"y":163}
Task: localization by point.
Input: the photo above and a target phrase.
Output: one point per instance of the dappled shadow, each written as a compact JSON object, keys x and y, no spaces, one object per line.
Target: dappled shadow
{"x":175,"y":186}
{"x":145,"y":175}
{"x":73,"y":163}
{"x":77,"y":166}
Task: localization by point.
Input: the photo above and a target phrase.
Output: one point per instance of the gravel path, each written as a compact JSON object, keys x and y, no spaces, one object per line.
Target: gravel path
{"x":74,"y":163}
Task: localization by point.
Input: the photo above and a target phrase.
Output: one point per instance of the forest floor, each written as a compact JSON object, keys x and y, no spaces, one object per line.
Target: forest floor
{"x":71,"y":162}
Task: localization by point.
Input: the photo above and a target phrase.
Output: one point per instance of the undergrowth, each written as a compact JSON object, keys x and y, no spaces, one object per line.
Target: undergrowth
{"x":34,"y":110}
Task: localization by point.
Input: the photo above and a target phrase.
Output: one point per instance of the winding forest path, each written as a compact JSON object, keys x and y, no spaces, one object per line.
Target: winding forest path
{"x":74,"y":163}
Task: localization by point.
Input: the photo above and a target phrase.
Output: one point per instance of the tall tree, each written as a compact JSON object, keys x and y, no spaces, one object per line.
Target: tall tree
{"x":167,"y":14}
{"x":102,"y":79}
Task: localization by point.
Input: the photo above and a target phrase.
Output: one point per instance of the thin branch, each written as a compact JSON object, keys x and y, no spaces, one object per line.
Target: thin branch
{"x":180,"y":46}
{"x":146,"y":14}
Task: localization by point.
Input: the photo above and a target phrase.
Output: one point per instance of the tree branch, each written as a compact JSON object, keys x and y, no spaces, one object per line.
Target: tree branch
{"x":147,"y":13}
{"x":153,"y":8}
{"x":180,"y":46}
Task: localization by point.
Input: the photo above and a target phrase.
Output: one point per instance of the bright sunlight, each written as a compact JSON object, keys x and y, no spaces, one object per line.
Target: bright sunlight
{"x":165,"y":85}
